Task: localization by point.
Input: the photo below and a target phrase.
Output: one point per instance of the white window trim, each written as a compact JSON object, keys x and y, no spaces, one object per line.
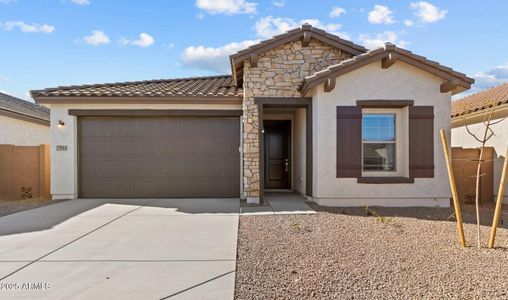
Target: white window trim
{"x":401,"y":142}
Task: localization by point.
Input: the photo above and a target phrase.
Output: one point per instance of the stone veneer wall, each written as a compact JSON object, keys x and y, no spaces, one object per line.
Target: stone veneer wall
{"x":279,"y":72}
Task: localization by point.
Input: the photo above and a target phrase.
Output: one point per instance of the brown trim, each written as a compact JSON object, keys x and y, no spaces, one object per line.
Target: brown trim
{"x":23,"y":117}
{"x":462,"y":81}
{"x":305,"y":33}
{"x":389,"y":61}
{"x":306,"y":103}
{"x":142,"y":100}
{"x":449,"y":86}
{"x":330,"y":84}
{"x":348,"y":157}
{"x":310,"y":83}
{"x":154,"y":112}
{"x":384,"y":180}
{"x":384,"y":103}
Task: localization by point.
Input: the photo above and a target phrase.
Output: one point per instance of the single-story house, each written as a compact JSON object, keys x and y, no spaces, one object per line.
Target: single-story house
{"x":471,"y":110}
{"x":305,"y":111}
{"x":23,"y":123}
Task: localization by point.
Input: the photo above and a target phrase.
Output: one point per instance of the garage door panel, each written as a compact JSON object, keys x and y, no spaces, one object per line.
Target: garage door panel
{"x":159,"y":157}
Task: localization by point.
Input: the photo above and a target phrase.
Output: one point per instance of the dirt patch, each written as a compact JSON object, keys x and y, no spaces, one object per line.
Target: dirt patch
{"x":378,"y":253}
{"x":13,"y":206}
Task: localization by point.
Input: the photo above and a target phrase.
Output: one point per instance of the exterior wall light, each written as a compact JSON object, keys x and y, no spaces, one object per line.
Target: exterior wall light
{"x":61,"y":124}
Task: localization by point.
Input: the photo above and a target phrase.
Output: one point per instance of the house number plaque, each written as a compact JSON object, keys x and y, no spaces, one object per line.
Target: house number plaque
{"x":61,"y":147}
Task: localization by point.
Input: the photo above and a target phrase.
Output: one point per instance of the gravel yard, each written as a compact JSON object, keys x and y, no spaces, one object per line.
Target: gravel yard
{"x":402,"y":253}
{"x":8,"y":207}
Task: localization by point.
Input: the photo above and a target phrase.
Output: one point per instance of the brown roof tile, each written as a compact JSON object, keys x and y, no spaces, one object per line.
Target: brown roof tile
{"x":212,"y":86}
{"x":481,"y":100}
{"x":238,"y":58}
{"x":378,"y":54}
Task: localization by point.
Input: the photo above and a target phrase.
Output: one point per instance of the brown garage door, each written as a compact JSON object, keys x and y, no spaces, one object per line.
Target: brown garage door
{"x":152,"y":157}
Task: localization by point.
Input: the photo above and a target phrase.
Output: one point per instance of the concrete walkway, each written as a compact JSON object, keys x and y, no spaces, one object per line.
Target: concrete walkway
{"x":121,"y":249}
{"x":279,"y":203}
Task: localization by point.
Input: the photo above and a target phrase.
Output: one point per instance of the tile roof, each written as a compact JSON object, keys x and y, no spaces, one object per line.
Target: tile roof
{"x":19,"y":106}
{"x":378,"y":54}
{"x":481,"y":100}
{"x":212,"y":86}
{"x":238,"y":58}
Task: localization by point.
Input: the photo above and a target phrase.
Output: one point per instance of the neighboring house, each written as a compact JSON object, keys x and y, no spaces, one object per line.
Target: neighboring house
{"x":23,"y":123}
{"x":310,"y":95}
{"x":471,"y":110}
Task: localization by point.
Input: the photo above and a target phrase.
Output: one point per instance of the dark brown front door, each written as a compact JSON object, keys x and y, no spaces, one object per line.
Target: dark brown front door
{"x":277,"y":154}
{"x":159,"y":157}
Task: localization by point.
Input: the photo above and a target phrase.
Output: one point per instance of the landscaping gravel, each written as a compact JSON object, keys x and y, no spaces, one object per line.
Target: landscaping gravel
{"x":379,"y":253}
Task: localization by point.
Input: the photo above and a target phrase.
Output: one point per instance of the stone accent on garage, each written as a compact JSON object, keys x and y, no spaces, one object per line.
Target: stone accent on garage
{"x":279,"y":73}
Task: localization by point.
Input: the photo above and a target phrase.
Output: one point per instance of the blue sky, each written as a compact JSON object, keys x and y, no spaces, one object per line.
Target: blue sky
{"x":46,"y":43}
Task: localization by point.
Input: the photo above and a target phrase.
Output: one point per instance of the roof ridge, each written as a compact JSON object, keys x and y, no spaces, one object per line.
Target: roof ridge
{"x":123,"y":83}
{"x":387,"y":49}
{"x":303,"y":27}
{"x":23,"y":107}
{"x":481,"y":92}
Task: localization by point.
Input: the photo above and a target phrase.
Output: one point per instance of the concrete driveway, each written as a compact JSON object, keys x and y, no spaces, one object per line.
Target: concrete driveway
{"x":121,"y":249}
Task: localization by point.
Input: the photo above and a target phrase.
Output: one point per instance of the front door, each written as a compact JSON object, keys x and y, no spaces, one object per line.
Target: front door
{"x":277,"y":139}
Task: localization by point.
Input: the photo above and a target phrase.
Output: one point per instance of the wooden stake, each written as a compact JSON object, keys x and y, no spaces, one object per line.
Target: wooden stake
{"x":499,"y":202}
{"x":456,"y":203}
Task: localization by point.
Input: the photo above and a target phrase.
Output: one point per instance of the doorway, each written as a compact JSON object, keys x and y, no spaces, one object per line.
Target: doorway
{"x":277,"y":149}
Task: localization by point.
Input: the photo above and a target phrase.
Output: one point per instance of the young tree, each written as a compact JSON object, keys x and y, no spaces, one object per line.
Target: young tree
{"x":486,"y":135}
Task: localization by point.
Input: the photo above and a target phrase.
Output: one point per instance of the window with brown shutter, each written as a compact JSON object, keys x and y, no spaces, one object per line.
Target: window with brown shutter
{"x":420,"y":155}
{"x":421,"y":141}
{"x":349,"y":142}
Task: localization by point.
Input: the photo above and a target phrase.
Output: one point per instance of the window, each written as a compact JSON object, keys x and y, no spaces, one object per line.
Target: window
{"x":379,"y":142}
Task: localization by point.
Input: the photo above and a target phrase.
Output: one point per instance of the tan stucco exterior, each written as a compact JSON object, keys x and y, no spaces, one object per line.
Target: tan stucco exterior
{"x":372,"y":82}
{"x":18,"y":132}
{"x":279,"y":72}
{"x":461,"y":138}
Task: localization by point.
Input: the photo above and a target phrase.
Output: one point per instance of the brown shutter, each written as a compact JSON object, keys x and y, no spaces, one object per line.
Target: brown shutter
{"x":349,"y":142}
{"x":421,"y":141}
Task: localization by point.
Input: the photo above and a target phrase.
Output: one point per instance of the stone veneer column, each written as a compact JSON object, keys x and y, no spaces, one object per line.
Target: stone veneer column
{"x":251,"y":182}
{"x":279,"y":72}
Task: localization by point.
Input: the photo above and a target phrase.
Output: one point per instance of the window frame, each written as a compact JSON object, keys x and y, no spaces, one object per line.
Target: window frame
{"x":401,"y":142}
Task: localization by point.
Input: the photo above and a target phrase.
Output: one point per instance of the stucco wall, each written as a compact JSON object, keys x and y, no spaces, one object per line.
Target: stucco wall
{"x":64,"y":163}
{"x":22,"y":133}
{"x":461,"y":138}
{"x":299,"y":146}
{"x":371,"y":82}
{"x":278,"y":74}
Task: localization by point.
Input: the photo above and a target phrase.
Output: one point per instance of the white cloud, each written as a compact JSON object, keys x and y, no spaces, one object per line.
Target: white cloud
{"x":377,"y":41}
{"x":25,"y":96}
{"x":27,"y":28}
{"x":427,"y":12}
{"x":144,"y":40}
{"x":381,"y":15}
{"x":227,"y":7}
{"x":492,"y":77}
{"x":97,"y":38}
{"x":337,"y":12}
{"x":269,"y":26}
{"x":213,"y":59}
{"x":81,"y":2}
{"x":279,"y":3}
{"x":409,"y":23}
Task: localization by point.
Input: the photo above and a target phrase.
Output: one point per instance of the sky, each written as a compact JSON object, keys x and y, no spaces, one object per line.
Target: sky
{"x":48,"y":43}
